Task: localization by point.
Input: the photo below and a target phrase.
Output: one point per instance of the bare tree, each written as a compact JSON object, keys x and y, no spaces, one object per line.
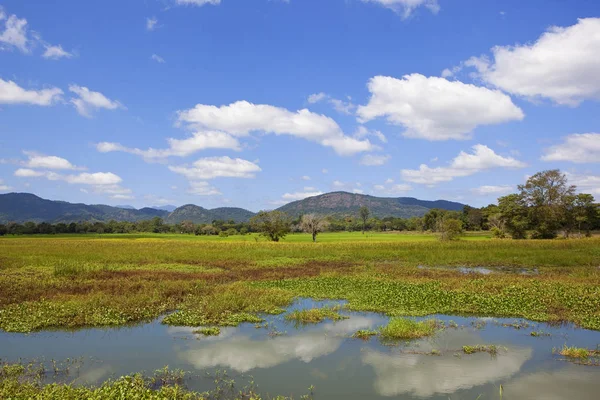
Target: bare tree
{"x":313,"y":224}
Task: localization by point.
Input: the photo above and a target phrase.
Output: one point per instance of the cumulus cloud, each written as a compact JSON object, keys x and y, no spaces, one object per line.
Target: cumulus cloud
{"x":405,"y":8}
{"x":56,"y":52}
{"x":373,"y":160}
{"x":392,"y":189}
{"x":242,"y":118}
{"x":465,"y":164}
{"x":576,"y":148}
{"x":202,"y":188}
{"x":562,"y":65}
{"x":305,"y":178}
{"x":307,"y":192}
{"x":493,"y":190}
{"x":13,"y":33}
{"x":435,"y":108}
{"x":3,"y":187}
{"x":585,"y":183}
{"x":341,"y":106}
{"x":158,"y":58}
{"x":363,"y":132}
{"x":88,"y":101}
{"x":84,"y":178}
{"x":11,"y":93}
{"x":47,"y":162}
{"x":217,"y":167}
{"x":178,"y":147}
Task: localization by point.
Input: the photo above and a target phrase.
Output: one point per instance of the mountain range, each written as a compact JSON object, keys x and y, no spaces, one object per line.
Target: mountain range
{"x":22,"y":207}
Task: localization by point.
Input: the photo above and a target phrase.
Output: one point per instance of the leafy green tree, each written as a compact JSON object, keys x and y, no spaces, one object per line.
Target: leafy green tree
{"x":546,"y":194}
{"x":514,"y":215}
{"x":364,"y":216}
{"x":450,"y":228}
{"x":272,"y":224}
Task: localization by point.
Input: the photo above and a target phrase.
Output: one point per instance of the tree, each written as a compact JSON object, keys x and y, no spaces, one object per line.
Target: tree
{"x":450,"y":228}
{"x":513,"y":215}
{"x":364,"y":216}
{"x":581,"y":213}
{"x":547,"y":195}
{"x":272,"y":224}
{"x":313,"y":224}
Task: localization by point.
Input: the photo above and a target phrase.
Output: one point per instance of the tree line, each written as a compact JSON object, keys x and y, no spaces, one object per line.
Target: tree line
{"x":544,"y":207}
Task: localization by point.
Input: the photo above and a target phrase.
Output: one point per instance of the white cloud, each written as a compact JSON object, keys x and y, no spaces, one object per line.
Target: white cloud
{"x":436,"y":109}
{"x":406,"y":7}
{"x":56,"y":52}
{"x":576,"y":148}
{"x":178,"y":147}
{"x":158,"y":58}
{"x":202,"y":188}
{"x":585,"y":183}
{"x":391,"y":189}
{"x":325,"y":171}
{"x":11,"y":93}
{"x":14,"y":33}
{"x":84,"y":178}
{"x":242,"y":118}
{"x":47,"y":162}
{"x":373,"y":160}
{"x":363,"y":132}
{"x":306,"y":178}
{"x":317,"y":97}
{"x":87,"y":101}
{"x":346,"y":186}
{"x":493,"y":190}
{"x":151,"y":23}
{"x":465,"y":164}
{"x":216,"y":167}
{"x":301,"y":195}
{"x":197,"y":2}
{"x":3,"y":187}
{"x":122,"y":197}
{"x":562,"y":65}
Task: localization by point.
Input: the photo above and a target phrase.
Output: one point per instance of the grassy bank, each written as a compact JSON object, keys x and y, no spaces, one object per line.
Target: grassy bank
{"x":69,"y":282}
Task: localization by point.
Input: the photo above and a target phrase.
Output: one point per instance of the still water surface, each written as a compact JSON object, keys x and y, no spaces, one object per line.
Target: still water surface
{"x":325,"y":357}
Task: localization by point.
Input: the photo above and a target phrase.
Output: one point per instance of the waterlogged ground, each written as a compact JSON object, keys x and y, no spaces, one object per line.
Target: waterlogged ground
{"x":286,"y":359}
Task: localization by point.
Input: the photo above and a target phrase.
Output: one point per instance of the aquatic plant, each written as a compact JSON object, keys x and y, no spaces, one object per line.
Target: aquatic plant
{"x":208,"y":331}
{"x":315,"y":315}
{"x":406,"y":328}
{"x":491,"y":349}
{"x":364,"y":334}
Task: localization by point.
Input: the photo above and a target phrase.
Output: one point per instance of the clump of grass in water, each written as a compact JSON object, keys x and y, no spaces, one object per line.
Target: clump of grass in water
{"x":577,"y":352}
{"x":405,"y":328}
{"x":491,"y":349}
{"x":209,"y":331}
{"x":364,"y":334}
{"x":539,"y":333}
{"x":315,"y":315}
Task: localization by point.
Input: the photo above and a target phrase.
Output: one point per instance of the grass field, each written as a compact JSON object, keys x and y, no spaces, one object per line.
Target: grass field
{"x":74,"y":281}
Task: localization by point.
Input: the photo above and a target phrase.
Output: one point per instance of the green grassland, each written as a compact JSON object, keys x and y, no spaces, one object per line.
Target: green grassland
{"x":49,"y":282}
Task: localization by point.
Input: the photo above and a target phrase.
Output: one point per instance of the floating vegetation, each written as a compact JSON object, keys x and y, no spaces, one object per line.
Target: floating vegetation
{"x":491,"y":349}
{"x":209,"y":331}
{"x":364,"y":334}
{"x":315,"y":315}
{"x":406,"y":328}
{"x":576,"y":352}
{"x":539,"y":333}
{"x":516,"y":324}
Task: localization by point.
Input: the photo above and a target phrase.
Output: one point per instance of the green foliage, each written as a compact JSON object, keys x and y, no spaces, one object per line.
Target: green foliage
{"x":272,"y":224}
{"x":209,"y":331}
{"x":405,"y":328}
{"x":364,"y":334}
{"x":491,"y":349}
{"x":450,"y":229}
{"x":315,"y":315}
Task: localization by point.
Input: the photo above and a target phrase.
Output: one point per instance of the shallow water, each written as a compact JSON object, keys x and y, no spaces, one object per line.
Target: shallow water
{"x":324,"y":356}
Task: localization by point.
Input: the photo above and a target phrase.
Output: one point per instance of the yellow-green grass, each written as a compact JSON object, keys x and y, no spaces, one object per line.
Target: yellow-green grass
{"x":480,"y":348}
{"x":209,"y":331}
{"x":315,"y":315}
{"x":577,"y":352}
{"x":70,"y":282}
{"x":406,"y":328}
{"x":364,"y":334}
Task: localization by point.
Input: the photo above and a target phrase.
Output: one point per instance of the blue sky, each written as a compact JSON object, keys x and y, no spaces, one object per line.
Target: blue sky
{"x":255,"y":103}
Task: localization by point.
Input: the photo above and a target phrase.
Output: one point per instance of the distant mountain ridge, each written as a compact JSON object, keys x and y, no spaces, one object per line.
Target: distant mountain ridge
{"x":23,"y":207}
{"x":344,"y":204}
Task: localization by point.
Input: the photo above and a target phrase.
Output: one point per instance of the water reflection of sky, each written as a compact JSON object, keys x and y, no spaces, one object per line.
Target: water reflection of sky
{"x":325,"y":356}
